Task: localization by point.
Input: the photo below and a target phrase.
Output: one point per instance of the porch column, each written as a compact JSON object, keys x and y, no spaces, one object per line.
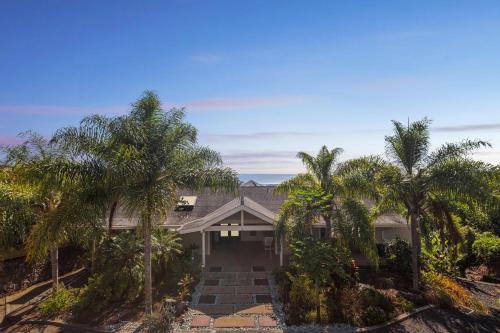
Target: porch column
{"x":209,"y":241}
{"x":281,"y":251}
{"x":203,"y":249}
{"x":275,"y":244}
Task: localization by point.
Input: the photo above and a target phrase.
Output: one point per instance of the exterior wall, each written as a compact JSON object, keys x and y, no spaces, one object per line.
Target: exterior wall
{"x":384,"y":234}
{"x":192,"y":238}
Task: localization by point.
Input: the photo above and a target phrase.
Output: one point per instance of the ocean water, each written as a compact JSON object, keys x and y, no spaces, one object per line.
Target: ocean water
{"x":266,"y":178}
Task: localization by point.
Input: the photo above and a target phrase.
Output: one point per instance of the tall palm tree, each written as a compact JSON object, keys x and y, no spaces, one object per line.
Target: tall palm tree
{"x":423,"y":185}
{"x":320,"y":170}
{"x":346,"y":217}
{"x":55,"y":189}
{"x":147,"y":156}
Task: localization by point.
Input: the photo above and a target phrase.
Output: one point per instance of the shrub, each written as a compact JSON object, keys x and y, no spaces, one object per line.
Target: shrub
{"x":119,"y":273}
{"x":441,"y":256}
{"x":161,"y":322}
{"x":444,"y":291}
{"x":62,"y":301}
{"x":362,"y":307}
{"x":486,"y":248}
{"x":398,"y":253}
{"x":301,"y":299}
{"x":283,"y":283}
{"x":185,"y":285}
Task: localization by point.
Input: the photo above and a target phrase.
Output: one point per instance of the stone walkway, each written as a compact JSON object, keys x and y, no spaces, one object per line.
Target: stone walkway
{"x":234,"y":300}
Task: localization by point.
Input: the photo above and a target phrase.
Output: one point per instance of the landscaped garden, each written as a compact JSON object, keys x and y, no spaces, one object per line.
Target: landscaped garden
{"x":61,"y":195}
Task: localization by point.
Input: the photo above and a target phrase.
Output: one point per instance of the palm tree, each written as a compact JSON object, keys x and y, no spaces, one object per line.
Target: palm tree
{"x":147,"y":156}
{"x":346,"y":213}
{"x":423,"y":185}
{"x":55,"y":190}
{"x":320,"y":170}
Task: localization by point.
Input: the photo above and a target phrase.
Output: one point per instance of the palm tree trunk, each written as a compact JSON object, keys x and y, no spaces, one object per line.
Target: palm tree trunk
{"x":415,"y":250}
{"x":111,"y":216}
{"x":328,"y":229}
{"x":54,"y":262}
{"x":92,"y":257}
{"x":148,"y":295}
{"x":318,"y":302}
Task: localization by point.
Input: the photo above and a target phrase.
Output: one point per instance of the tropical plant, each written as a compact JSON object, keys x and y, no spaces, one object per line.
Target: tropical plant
{"x":55,"y":185}
{"x":147,"y":156}
{"x":399,"y":256}
{"x":440,"y":256}
{"x":320,"y":260}
{"x":17,"y":215}
{"x":486,"y":248}
{"x":423,"y":185}
{"x":109,"y":284}
{"x":166,"y":246}
{"x":343,"y":207}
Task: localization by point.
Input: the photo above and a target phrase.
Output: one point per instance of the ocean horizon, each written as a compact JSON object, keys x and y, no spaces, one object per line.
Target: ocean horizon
{"x":266,"y":178}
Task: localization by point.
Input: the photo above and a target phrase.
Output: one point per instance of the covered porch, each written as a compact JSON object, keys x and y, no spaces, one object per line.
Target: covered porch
{"x":242,"y":256}
{"x":239,"y":235}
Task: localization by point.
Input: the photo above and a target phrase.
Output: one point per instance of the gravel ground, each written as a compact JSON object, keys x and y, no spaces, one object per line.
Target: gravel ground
{"x":444,"y":321}
{"x":487,"y":293}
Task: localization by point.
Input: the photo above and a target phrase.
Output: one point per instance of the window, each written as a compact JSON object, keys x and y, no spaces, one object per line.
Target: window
{"x":229,"y":233}
{"x":253,"y":233}
{"x":185,"y":204}
{"x":322,"y":233}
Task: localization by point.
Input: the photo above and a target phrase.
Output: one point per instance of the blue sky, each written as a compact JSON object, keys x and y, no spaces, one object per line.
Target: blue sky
{"x":260,"y":79}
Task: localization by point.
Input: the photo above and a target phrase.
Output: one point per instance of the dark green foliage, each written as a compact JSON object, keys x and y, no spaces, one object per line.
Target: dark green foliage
{"x":440,"y":256}
{"x":398,"y":254}
{"x":61,"y":301}
{"x":119,"y":273}
{"x":486,"y":248}
{"x":301,"y":299}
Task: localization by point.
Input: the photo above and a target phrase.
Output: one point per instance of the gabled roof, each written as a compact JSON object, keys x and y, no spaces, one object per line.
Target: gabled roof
{"x":236,"y":205}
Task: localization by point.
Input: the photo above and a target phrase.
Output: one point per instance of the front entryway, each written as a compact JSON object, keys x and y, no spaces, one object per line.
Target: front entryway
{"x":234,"y":299}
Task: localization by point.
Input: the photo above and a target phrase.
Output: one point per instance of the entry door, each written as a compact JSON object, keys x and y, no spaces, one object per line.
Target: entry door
{"x":229,"y":236}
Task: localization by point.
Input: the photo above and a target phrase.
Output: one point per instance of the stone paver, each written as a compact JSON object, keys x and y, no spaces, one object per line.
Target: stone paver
{"x":223,"y":309}
{"x":211,"y":282}
{"x":209,"y":290}
{"x":255,"y":309}
{"x":236,"y":299}
{"x":263,"y":299}
{"x":207,"y":299}
{"x":200,"y":321}
{"x":234,"y":321}
{"x":253,"y":290}
{"x":266,"y":321}
{"x":258,"y":269}
{"x":260,"y":282}
{"x":215,"y":269}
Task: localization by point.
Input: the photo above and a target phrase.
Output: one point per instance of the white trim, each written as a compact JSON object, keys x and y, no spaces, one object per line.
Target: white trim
{"x":240,"y":228}
{"x":242,"y":204}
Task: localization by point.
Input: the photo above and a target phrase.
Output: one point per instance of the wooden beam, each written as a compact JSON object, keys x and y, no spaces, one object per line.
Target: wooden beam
{"x":240,"y":228}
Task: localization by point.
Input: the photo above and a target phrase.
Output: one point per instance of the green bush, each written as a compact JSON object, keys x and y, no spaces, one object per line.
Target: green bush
{"x":441,"y":256}
{"x":486,"y":248}
{"x":62,"y":301}
{"x":398,"y":254}
{"x":119,"y":275}
{"x":301,"y":299}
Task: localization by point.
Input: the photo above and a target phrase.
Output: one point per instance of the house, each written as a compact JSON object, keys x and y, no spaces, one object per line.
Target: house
{"x":235,"y":223}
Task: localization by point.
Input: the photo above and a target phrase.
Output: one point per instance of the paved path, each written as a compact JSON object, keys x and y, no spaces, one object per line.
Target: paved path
{"x":234,"y":300}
